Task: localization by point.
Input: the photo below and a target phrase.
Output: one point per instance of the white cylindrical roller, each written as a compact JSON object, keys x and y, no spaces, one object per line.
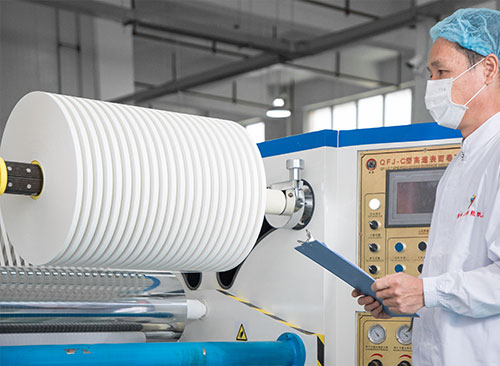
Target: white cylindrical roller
{"x":196,"y":309}
{"x":275,"y":202}
{"x":49,"y":133}
{"x":132,"y":188}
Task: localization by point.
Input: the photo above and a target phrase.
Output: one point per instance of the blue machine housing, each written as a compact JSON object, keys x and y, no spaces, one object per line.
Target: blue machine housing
{"x":332,"y":138}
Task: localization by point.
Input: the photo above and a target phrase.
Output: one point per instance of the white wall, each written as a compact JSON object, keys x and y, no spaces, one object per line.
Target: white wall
{"x":28,"y":53}
{"x":58,"y":51}
{"x":114,"y":59}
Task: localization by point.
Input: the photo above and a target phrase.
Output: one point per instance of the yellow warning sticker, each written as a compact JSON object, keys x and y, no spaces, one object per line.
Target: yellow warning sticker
{"x":242,"y":334}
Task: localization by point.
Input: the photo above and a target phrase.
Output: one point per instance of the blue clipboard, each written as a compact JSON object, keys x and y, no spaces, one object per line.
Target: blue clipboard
{"x":343,"y":269}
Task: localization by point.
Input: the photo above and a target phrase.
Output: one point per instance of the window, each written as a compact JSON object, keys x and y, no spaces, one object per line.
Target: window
{"x":398,"y":108}
{"x":344,"y":116}
{"x":257,"y":131}
{"x":371,"y":112}
{"x":390,"y":109}
{"x":320,"y":119}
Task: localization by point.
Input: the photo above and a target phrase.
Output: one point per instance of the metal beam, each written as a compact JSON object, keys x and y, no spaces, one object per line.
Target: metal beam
{"x":214,"y":50}
{"x":232,"y":37}
{"x":353,"y":34}
{"x":218,"y":98}
{"x":321,"y":44}
{"x":163,"y":22}
{"x":406,"y":49}
{"x":204,"y":77}
{"x":376,"y":27}
{"x":340,"y":8}
{"x":339,"y":75}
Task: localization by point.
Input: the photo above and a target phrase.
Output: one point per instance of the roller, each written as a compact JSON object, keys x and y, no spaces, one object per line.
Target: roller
{"x":117,"y":186}
{"x":50,"y":300}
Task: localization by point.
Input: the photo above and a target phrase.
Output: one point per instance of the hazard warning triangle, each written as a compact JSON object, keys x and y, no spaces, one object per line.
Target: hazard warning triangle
{"x":242,"y":334}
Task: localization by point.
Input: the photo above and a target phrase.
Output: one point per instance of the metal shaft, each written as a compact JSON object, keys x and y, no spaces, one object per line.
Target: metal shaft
{"x":21,"y":178}
{"x":39,"y":300}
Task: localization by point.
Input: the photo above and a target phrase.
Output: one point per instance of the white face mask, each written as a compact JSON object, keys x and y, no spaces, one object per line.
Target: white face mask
{"x":438,"y":101}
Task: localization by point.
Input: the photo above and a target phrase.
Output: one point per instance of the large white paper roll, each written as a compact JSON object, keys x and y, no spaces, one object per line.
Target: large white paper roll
{"x":132,"y":188}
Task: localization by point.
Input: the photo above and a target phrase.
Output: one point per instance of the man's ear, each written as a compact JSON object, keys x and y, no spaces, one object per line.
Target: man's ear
{"x":490,"y":68}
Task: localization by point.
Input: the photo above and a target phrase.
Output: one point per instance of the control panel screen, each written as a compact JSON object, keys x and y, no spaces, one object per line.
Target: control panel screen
{"x":415,"y":197}
{"x":411,"y":195}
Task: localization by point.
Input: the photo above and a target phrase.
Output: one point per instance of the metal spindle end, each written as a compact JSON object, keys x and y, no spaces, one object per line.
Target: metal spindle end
{"x":21,"y":178}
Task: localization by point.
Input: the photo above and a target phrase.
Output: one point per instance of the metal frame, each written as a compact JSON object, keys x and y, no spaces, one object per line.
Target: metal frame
{"x":276,"y":50}
{"x":164,"y":22}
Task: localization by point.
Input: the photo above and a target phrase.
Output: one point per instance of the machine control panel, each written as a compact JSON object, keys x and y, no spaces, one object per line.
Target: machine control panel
{"x":397,"y":195}
{"x":396,"y":198}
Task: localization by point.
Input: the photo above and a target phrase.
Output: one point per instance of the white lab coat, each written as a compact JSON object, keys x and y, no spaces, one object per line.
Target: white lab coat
{"x":460,"y":323}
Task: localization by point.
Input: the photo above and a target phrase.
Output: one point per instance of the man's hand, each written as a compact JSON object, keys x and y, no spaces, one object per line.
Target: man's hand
{"x":371,"y":305}
{"x":400,"y":292}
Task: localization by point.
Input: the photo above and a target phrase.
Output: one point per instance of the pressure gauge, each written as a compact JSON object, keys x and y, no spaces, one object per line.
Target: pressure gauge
{"x":376,"y":334}
{"x":403,"y":335}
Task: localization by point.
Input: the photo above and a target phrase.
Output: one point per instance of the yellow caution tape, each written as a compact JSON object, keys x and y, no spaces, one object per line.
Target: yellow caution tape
{"x":319,"y":337}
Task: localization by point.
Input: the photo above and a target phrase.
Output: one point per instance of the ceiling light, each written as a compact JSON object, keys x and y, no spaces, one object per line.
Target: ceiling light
{"x":278,"y":109}
{"x":278,"y":102}
{"x":278,"y":113}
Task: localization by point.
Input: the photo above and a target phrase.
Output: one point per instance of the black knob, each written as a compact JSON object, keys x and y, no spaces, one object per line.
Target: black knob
{"x":374,"y":225}
{"x":420,"y":268}
{"x":373,"y":269}
{"x":422,"y":246}
{"x":373,"y":247}
{"x":375,"y":363}
{"x":404,"y":363}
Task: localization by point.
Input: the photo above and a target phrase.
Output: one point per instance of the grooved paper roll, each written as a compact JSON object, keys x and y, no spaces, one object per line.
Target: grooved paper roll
{"x":132,"y":188}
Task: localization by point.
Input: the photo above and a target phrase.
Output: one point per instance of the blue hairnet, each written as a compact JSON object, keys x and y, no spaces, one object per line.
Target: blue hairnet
{"x":475,"y":29}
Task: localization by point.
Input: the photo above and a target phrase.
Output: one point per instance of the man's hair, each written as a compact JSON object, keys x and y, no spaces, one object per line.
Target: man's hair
{"x":472,"y":56}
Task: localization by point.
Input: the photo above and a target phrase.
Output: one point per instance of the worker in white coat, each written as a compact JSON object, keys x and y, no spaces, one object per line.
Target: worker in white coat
{"x":458,"y":294}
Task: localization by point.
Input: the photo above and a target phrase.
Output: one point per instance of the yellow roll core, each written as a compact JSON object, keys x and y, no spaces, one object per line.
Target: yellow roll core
{"x":3,"y":176}
{"x":35,"y":197}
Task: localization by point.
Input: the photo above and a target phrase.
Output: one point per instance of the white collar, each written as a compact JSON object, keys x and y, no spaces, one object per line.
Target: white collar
{"x":477,"y":139}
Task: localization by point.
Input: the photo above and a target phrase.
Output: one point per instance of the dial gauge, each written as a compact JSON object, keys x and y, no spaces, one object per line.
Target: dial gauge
{"x":376,"y":334}
{"x":403,"y":334}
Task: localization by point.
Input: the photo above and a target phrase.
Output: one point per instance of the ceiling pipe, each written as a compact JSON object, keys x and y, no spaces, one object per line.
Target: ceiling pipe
{"x":162,"y":22}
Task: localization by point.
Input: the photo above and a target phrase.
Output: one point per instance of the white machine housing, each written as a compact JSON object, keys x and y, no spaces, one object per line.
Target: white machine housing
{"x":277,"y":278}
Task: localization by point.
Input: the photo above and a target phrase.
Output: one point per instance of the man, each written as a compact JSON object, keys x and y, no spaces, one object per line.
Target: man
{"x":458,"y":294}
